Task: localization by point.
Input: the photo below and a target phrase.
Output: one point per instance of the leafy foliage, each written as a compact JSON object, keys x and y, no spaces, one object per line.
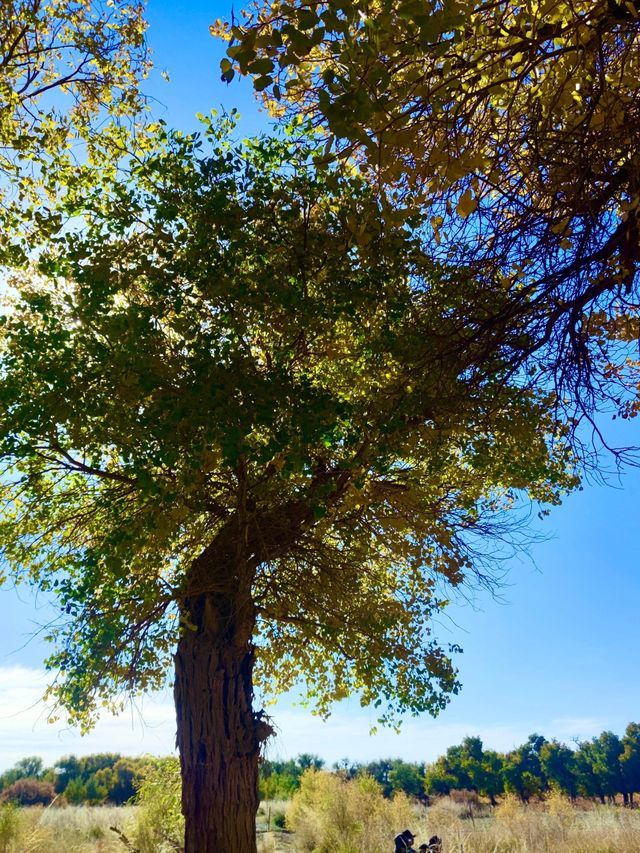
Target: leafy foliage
{"x":514,"y":125}
{"x":558,"y":766}
{"x":331,"y":813}
{"x":539,"y":767}
{"x":63,"y":64}
{"x":630,"y":759}
{"x":522,"y":769}
{"x":28,"y":792}
{"x":92,"y":779}
{"x":159,"y":824}
{"x":468,"y":767}
{"x":29,"y":767}
{"x":279,"y":779}
{"x":92,"y":51}
{"x":598,"y":768}
{"x":10,"y":826}
{"x":233,"y":338}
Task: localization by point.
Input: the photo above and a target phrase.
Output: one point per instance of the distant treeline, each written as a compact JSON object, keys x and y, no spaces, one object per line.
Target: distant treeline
{"x":602,"y":768}
{"x":92,"y":779}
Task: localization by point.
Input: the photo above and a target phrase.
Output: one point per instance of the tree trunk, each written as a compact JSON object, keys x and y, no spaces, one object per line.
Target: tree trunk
{"x":218,"y":735}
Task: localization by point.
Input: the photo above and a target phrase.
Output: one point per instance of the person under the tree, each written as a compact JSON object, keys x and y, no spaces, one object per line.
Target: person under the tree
{"x":404,"y":841}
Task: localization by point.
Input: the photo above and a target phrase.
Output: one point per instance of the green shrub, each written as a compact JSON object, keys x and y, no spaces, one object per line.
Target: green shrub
{"x":159,"y":825}
{"x":10,"y":826}
{"x":279,"y":820}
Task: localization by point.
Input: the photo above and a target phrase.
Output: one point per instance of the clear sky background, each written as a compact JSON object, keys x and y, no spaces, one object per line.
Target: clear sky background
{"x":557,"y":654}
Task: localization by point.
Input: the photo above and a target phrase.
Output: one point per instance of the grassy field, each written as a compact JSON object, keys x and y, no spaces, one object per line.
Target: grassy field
{"x":333,"y":817}
{"x":511,"y":828}
{"x":74,"y":829}
{"x":553,"y":827}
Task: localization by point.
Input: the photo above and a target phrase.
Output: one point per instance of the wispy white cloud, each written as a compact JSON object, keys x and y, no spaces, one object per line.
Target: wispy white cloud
{"x":578,"y":728}
{"x":147,"y":725}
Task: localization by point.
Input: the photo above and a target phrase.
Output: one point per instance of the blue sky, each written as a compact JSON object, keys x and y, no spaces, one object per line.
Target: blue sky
{"x":556,"y":654}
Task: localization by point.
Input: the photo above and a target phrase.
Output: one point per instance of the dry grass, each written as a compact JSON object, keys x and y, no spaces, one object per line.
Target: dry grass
{"x":364,"y":825}
{"x":555,"y":827}
{"x":271,"y":815}
{"x":75,"y":829}
{"x":276,"y":842}
{"x":331,"y":815}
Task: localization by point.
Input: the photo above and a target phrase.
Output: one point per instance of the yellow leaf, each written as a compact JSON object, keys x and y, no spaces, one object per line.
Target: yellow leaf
{"x":466,"y":204}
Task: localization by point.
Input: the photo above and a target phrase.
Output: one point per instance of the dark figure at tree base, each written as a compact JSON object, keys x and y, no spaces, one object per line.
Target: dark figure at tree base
{"x":404,"y":841}
{"x":434,"y":845}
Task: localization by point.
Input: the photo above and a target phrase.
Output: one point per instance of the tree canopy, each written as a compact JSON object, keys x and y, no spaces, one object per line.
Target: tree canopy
{"x":515,"y":125}
{"x":225,"y":323}
{"x":94,"y":51}
{"x":62,"y":64}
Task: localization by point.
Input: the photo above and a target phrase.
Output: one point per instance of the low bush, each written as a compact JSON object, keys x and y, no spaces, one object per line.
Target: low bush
{"x":332,"y":815}
{"x":159,"y":825}
{"x":10,"y":826}
{"x":29,"y":792}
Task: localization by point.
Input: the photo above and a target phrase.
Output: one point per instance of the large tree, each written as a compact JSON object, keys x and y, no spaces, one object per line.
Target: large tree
{"x":599,"y":766}
{"x":467,"y":766}
{"x":522,"y":770}
{"x":515,"y":124}
{"x":558,"y":767}
{"x":251,"y":430}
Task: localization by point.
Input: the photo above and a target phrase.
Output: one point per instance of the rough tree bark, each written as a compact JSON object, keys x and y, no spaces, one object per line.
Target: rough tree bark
{"x":219,"y":736}
{"x":218,"y":733}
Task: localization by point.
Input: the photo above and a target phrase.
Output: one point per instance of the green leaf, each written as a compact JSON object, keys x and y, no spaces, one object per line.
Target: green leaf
{"x":261,"y":83}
